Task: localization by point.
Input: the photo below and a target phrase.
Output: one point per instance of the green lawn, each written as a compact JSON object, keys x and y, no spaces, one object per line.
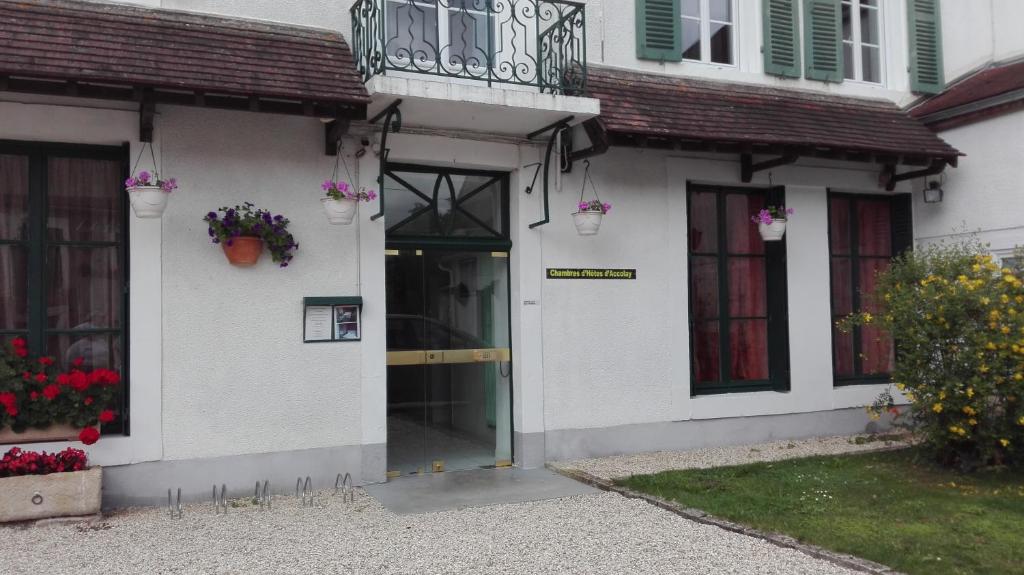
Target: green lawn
{"x":911,"y":516}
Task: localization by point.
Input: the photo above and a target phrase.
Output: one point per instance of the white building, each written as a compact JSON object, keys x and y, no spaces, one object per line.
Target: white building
{"x":477,"y":347}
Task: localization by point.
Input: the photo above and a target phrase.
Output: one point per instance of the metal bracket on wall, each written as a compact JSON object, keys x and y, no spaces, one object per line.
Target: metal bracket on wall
{"x":147,"y":110}
{"x":392,"y":123}
{"x":333,"y":131}
{"x":555,"y":129}
{"x":889,"y":178}
{"x":748,"y":168}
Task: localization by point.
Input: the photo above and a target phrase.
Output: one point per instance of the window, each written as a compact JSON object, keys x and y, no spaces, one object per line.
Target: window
{"x":456,"y":30}
{"x":738,"y":330}
{"x":861,"y":244}
{"x":63,"y":248}
{"x":862,"y":40}
{"x":707,"y":31}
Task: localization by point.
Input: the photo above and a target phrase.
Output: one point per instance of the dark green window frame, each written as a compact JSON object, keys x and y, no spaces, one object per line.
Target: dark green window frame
{"x":898,"y":245}
{"x":37,"y":243}
{"x":775,"y":289}
{"x":500,"y":239}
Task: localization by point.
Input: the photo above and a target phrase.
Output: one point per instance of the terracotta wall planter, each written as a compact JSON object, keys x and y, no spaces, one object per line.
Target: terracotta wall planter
{"x":29,"y":497}
{"x":244,"y":251}
{"x":56,"y":432}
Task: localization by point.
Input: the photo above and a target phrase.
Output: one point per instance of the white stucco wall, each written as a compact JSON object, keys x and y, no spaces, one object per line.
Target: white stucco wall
{"x":976,"y":32}
{"x":984,"y":194}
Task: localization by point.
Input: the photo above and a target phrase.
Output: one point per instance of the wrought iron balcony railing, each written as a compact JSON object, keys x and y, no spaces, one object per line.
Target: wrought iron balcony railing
{"x":538,"y":43}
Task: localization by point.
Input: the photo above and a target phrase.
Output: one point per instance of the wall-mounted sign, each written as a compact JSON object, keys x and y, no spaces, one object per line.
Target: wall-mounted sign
{"x":591,"y":274}
{"x":332,"y":319}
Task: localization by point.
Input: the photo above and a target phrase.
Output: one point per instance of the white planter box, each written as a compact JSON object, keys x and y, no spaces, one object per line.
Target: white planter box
{"x":772,"y":232}
{"x":339,"y":211}
{"x":30,"y":497}
{"x":148,"y":201}
{"x":587,"y":223}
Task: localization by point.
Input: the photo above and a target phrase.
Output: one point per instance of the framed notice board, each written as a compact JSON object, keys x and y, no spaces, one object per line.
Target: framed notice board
{"x":336,"y":318}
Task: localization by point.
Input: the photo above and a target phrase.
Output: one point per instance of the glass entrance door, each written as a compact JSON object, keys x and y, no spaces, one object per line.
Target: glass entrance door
{"x":449,"y":363}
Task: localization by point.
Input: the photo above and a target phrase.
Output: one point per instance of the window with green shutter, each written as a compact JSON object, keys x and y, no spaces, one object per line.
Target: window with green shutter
{"x":823,"y":29}
{"x":781,"y":38}
{"x":658,"y":32}
{"x":925,"y":38}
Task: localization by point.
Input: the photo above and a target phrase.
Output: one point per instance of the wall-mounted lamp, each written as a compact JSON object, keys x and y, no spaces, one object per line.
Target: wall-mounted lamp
{"x":933,"y":192}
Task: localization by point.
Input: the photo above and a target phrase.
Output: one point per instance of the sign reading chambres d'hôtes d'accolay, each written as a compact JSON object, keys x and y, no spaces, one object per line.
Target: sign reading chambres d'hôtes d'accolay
{"x":590,"y":274}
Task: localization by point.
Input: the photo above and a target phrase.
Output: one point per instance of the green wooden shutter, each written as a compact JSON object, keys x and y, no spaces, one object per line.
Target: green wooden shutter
{"x":823,"y":40}
{"x":658,"y":30}
{"x":781,"y":38}
{"x":925,"y":37}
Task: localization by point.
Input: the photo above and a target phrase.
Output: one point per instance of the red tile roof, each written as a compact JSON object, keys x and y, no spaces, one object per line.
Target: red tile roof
{"x":702,"y":111}
{"x":123,"y":45}
{"x":994,"y":90}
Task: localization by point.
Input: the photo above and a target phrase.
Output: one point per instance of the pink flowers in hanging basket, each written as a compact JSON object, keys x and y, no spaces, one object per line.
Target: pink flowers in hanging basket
{"x":146,"y":179}
{"x":594,"y":206}
{"x":770,"y":214}
{"x":343,"y":191}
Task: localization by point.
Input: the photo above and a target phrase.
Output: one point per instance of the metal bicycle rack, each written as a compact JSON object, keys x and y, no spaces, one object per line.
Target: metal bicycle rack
{"x":263,"y":498}
{"x":344,"y":483}
{"x":220,"y":503}
{"x":174,"y":509}
{"x":305,"y":491}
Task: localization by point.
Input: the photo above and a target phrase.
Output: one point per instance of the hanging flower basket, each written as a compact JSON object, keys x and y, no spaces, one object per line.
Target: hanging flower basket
{"x":147,"y":192}
{"x":589,"y":214}
{"x":341,"y":203}
{"x":243,"y":231}
{"x":771,"y":222}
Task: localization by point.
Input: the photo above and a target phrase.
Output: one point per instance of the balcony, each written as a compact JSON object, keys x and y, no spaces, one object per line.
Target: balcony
{"x":533,"y":43}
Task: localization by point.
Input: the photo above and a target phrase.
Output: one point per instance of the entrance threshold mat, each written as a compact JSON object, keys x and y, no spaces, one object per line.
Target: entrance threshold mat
{"x":473,"y":488}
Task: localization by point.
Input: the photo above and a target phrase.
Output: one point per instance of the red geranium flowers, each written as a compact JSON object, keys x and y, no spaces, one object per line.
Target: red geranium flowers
{"x":18,"y":462}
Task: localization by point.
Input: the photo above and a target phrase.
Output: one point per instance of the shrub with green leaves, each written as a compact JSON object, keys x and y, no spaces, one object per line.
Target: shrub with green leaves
{"x":958,"y":322}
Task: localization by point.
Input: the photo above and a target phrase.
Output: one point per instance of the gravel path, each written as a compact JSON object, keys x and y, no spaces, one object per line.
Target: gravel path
{"x":644,"y":463}
{"x":603,"y":533}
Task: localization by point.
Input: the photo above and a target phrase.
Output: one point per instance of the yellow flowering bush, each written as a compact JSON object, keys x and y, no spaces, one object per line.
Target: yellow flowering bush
{"x":956,"y":317}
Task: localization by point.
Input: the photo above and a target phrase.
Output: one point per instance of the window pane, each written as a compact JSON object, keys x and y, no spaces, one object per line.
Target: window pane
{"x":748,"y":349}
{"x":13,"y":197}
{"x":721,"y":43}
{"x":747,"y":293}
{"x":876,"y":351}
{"x":847,"y":23}
{"x":96,"y":350}
{"x":403,"y":203}
{"x":874,"y":228}
{"x":872,"y":66}
{"x":84,"y":199}
{"x":13,"y":288}
{"x":869,"y":268}
{"x":412,"y":31}
{"x":691,"y":39}
{"x":842,"y":352}
{"x":742,"y":234}
{"x":721,"y":10}
{"x":705,"y":351}
{"x":869,"y":25}
{"x":467,"y":33}
{"x":691,"y":8}
{"x":842,"y":287}
{"x":83,"y":288}
{"x":484,"y":205}
{"x":703,"y":219}
{"x":839,"y":225}
{"x":849,"y":67}
{"x":704,"y":287}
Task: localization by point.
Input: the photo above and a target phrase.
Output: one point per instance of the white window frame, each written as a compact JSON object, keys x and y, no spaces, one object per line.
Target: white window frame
{"x":857,"y":44}
{"x":705,"y":33}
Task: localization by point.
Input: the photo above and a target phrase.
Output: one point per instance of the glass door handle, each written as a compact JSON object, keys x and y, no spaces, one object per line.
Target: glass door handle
{"x":436,"y":356}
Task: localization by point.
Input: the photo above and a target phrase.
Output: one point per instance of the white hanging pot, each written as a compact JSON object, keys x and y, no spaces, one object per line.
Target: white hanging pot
{"x":587,"y":223}
{"x":339,"y":211}
{"x":148,"y":201}
{"x":774,"y":231}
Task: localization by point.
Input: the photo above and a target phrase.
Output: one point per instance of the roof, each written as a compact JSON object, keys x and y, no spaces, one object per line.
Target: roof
{"x":94,"y":45}
{"x":995,"y":89}
{"x":706,"y":114}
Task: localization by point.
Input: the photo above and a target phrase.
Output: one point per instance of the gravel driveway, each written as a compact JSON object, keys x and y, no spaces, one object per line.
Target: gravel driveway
{"x":603,"y":533}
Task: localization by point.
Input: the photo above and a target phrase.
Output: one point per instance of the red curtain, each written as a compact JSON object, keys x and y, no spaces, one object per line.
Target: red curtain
{"x":13,"y":258}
